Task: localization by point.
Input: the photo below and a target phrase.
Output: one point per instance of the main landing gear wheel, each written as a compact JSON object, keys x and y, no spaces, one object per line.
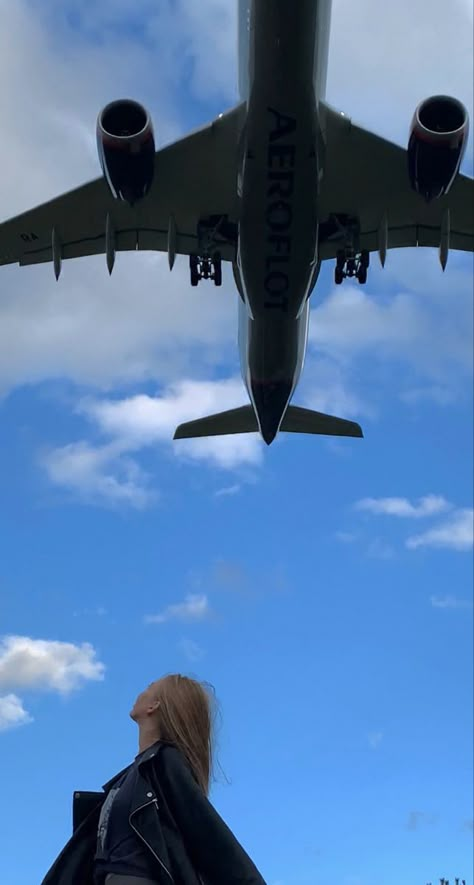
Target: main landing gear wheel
{"x":194,"y":270}
{"x":205,"y":268}
{"x":352,"y":266}
{"x":217,"y":277}
{"x":363,"y":265}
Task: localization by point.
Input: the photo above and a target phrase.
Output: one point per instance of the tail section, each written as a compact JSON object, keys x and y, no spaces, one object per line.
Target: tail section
{"x":241,"y":420}
{"x":298,"y":420}
{"x":244,"y":420}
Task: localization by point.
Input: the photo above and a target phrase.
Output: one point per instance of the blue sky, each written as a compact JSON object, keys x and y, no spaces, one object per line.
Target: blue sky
{"x":324,"y":588}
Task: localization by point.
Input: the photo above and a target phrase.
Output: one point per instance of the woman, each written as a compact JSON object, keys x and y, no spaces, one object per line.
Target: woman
{"x":154,"y":824}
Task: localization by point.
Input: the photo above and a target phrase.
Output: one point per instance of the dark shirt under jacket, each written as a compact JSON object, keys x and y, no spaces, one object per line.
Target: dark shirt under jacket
{"x":119,"y":849}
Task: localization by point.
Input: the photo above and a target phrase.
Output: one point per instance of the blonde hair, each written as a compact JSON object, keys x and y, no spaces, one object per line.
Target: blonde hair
{"x":186,"y":718}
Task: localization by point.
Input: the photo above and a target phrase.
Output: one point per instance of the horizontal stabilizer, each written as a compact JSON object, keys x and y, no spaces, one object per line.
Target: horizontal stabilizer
{"x":241,"y":420}
{"x":298,"y":420}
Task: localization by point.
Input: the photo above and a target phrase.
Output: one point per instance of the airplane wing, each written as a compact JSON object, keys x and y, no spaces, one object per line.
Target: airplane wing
{"x":366,"y":177}
{"x":194,"y":178}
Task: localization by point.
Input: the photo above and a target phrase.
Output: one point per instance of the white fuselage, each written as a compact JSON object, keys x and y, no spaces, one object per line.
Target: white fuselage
{"x":283,"y":53}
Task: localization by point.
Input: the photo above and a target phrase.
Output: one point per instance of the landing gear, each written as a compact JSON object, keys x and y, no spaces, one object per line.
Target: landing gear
{"x":351,"y":261}
{"x":215,"y":234}
{"x":194,"y":269}
{"x":364,"y":262}
{"x":203,"y":267}
{"x":217,"y":270}
{"x":351,"y":264}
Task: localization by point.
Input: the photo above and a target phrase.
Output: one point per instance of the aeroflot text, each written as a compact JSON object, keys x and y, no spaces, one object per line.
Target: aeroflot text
{"x":279,"y":210}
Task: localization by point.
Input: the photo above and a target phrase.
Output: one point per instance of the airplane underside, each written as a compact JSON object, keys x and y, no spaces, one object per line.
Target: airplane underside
{"x":275,"y":186}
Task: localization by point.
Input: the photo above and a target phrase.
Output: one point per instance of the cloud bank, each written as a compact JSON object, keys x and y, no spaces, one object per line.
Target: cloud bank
{"x":31,"y":665}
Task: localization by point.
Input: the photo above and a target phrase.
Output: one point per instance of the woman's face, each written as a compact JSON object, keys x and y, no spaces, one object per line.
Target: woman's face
{"x":146,"y":702}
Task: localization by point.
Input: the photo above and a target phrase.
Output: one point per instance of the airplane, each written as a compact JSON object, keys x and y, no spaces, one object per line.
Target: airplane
{"x":275,"y":186}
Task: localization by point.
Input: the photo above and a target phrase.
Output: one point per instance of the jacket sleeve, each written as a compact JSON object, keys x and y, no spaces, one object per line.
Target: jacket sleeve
{"x":212,"y":847}
{"x":83,"y":803}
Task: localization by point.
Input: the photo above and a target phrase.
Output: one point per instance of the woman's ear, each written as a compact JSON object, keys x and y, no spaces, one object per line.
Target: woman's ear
{"x":153,"y":707}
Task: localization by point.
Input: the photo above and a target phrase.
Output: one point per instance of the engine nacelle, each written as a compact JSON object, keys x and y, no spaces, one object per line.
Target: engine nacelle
{"x":126,"y":147}
{"x":438,"y":139}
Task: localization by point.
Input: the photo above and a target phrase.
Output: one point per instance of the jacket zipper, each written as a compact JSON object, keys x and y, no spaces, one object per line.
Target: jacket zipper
{"x":155,"y":803}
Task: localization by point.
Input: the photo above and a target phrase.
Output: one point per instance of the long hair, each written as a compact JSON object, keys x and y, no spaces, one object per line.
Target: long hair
{"x":186,"y":718}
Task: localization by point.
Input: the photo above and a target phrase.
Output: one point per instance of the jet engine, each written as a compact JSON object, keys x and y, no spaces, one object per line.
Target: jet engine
{"x":126,"y":147}
{"x":438,"y":138}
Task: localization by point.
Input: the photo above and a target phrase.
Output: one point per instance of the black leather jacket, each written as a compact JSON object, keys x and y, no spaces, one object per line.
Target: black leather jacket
{"x":188,"y":841}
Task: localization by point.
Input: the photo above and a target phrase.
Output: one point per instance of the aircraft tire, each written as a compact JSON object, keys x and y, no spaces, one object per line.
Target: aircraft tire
{"x":218,"y":270}
{"x":340,"y":259}
{"x":194,"y":268}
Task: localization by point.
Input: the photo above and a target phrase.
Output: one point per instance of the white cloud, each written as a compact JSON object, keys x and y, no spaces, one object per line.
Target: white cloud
{"x":326,"y":389}
{"x":455,"y":533}
{"x":191,"y":650}
{"x":448,"y":601}
{"x":226,"y":452}
{"x":350,"y":322}
{"x":375,"y":739}
{"x":228,"y":491}
{"x":380,"y":549}
{"x":355,"y":323}
{"x":429,"y":505}
{"x":27,"y":663}
{"x":98,"y":612}
{"x":92,"y":331}
{"x":441,"y":396}
{"x":194,"y":608}
{"x":386,"y":103}
{"x":12,"y":712}
{"x":143,"y":420}
{"x":99,"y":474}
{"x":346,"y":537}
{"x":107,"y":474}
{"x":200,"y":26}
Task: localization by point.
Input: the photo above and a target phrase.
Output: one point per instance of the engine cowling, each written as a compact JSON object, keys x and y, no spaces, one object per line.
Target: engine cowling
{"x":126,"y":146}
{"x":438,"y":139}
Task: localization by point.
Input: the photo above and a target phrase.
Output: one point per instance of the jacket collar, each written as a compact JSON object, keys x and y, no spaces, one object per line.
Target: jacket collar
{"x":145,"y":757}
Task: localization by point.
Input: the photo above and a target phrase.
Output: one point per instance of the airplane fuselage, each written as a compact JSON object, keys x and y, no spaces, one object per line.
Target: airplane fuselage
{"x":283,"y":51}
